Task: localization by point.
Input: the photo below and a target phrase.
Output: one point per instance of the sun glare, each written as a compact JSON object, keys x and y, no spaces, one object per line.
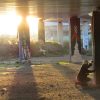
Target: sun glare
{"x":9,"y":24}
{"x":33,"y":24}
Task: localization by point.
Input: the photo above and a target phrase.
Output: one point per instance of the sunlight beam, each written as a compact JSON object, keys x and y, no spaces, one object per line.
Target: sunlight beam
{"x":9,"y":23}
{"x":33,"y":24}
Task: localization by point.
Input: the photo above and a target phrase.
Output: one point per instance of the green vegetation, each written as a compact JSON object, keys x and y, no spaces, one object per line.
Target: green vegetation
{"x":9,"y":49}
{"x":48,"y":49}
{"x":4,"y":65}
{"x":63,"y":62}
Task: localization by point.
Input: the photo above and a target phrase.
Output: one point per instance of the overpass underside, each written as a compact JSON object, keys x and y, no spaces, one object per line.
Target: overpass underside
{"x":60,"y":11}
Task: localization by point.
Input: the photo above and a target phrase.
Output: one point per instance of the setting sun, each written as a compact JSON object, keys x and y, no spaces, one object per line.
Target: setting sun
{"x":9,"y":24}
{"x":33,"y":24}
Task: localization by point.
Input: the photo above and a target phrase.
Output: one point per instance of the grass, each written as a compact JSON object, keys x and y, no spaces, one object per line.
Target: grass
{"x":63,"y":62}
{"x":9,"y":65}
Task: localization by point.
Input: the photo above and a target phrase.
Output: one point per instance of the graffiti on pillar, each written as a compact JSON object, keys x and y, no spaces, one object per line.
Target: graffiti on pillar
{"x":75,"y":34}
{"x":24,"y":41}
{"x":85,"y":30}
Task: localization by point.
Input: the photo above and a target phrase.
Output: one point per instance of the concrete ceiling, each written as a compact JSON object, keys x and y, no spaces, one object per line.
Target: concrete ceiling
{"x":50,"y":9}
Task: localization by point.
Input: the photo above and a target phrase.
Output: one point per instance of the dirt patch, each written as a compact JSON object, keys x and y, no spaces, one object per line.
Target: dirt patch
{"x":44,"y":82}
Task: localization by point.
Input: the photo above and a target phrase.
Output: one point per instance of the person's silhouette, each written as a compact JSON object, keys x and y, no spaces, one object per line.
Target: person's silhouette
{"x":82,"y":77}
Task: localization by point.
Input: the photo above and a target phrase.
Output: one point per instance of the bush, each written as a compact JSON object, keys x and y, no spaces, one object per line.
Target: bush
{"x":9,"y":49}
{"x":50,"y":48}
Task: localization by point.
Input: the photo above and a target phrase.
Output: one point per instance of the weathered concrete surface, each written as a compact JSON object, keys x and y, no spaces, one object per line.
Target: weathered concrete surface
{"x":55,"y":81}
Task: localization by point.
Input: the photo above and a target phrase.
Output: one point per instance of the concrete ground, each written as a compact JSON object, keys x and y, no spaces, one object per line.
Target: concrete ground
{"x":53,"y":79}
{"x":40,"y":60}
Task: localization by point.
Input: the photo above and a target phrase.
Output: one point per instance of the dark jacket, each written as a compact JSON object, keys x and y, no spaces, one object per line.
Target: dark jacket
{"x":84,"y":72}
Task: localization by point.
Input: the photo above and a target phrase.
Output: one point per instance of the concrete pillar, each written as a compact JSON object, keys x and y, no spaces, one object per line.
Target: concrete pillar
{"x":41,"y":27}
{"x":60,"y":32}
{"x":75,"y":33}
{"x":24,"y":40}
{"x":41,"y":31}
{"x":75,"y":39}
{"x":23,"y":32}
{"x":96,"y":42}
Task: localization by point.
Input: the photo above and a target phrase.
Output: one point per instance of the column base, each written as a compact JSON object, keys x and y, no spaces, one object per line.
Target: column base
{"x":76,"y":58}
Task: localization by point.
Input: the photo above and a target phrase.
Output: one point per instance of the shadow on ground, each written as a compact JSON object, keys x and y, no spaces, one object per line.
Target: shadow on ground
{"x":70,"y":73}
{"x":66,"y":71}
{"x":24,"y":85}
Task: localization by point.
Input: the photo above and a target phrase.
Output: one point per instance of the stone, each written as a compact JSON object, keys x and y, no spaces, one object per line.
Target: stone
{"x":76,"y":58}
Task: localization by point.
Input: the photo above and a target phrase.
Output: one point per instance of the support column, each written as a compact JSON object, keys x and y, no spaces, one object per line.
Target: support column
{"x":60,"y":32}
{"x":41,"y":31}
{"x":41,"y":27}
{"x":23,"y":32}
{"x":75,"y":39}
{"x":96,"y":41}
{"x":24,"y":40}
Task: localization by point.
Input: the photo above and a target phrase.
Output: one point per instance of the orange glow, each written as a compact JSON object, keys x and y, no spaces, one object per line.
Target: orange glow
{"x":33,"y":24}
{"x":9,"y":23}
